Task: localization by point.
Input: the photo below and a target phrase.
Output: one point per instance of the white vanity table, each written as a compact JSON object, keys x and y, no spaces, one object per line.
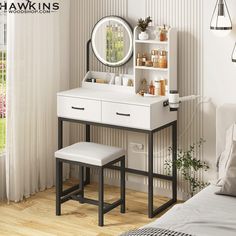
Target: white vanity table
{"x":113,"y":108}
{"x":105,"y":105}
{"x":121,"y":111}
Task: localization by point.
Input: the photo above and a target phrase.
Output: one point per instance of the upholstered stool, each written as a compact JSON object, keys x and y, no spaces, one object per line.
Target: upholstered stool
{"x":92,"y":155}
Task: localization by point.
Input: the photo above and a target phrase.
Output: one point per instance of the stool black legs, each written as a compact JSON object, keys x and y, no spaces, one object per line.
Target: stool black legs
{"x":122,"y":185}
{"x":77,"y":192}
{"x":101,"y":209}
{"x":58,"y":186}
{"x":101,"y":198}
{"x":81,"y":180}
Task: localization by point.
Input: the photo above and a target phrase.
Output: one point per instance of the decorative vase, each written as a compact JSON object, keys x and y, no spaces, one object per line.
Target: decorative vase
{"x":143,"y":36}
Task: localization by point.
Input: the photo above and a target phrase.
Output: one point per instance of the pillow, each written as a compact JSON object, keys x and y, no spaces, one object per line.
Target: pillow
{"x":224,"y":158}
{"x":229,"y":181}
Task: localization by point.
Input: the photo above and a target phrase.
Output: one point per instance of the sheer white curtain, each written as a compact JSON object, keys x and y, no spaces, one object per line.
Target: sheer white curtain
{"x":38,"y":67}
{"x":2,"y":178}
{"x":3,"y":20}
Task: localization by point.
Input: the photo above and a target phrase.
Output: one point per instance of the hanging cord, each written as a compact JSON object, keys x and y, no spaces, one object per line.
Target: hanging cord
{"x":202,"y":101}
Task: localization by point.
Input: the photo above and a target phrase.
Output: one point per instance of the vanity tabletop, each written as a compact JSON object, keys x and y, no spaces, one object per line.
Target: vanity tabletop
{"x":116,"y":97}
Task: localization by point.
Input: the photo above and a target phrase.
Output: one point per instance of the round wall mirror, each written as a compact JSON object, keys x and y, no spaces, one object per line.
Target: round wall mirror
{"x":112,"y":41}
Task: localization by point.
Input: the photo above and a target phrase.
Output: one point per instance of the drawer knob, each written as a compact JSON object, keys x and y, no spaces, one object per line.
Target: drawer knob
{"x":78,"y":108}
{"x":122,"y":114}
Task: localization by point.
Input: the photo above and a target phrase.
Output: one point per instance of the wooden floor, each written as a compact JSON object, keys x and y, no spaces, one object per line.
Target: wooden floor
{"x":36,"y":215}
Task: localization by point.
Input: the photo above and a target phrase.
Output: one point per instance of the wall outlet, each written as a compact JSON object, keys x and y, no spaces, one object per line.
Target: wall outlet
{"x":137,"y":146}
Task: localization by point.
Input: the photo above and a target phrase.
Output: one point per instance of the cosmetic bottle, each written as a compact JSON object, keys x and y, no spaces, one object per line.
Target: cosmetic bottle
{"x":108,"y":77}
{"x":144,"y":59}
{"x":163,"y":34}
{"x":157,"y":87}
{"x":139,"y":60}
{"x":149,"y":63}
{"x":154,"y":54}
{"x":162,"y":87}
{"x":167,"y":90}
{"x":155,"y":62}
{"x":162,"y":59}
{"x":151,"y":88}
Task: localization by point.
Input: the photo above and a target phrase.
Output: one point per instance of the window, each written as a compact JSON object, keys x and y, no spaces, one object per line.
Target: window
{"x":3,"y":56}
{"x":115,"y":43}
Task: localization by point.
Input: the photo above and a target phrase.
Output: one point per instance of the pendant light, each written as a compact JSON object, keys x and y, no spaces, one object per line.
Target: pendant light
{"x":221,"y":23}
{"x":234,"y":54}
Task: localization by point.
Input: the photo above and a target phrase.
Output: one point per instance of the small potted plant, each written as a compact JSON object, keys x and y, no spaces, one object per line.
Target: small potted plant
{"x":189,"y":166}
{"x":142,"y":25}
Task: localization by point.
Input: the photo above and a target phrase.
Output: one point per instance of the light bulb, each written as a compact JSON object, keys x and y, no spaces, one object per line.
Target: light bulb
{"x":221,"y":23}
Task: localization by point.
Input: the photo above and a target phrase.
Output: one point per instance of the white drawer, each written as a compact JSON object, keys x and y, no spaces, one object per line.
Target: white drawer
{"x":126,"y":115}
{"x":78,"y":108}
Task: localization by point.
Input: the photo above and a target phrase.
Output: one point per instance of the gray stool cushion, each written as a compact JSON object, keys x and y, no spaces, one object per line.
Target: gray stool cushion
{"x":90,"y":153}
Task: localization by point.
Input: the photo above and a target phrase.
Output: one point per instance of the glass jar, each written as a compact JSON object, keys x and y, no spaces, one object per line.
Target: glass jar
{"x":151,"y":88}
{"x":155,"y":62}
{"x":162,"y":59}
{"x":149,"y":63}
{"x":144,"y":59}
{"x":163,"y":34}
{"x":139,"y":60}
{"x":162,"y":87}
{"x":154,"y":54}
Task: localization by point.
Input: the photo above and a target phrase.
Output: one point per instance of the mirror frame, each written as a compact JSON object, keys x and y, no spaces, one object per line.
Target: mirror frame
{"x":129,"y":29}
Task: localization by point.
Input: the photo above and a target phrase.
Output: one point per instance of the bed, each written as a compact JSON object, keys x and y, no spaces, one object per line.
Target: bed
{"x":206,"y":214}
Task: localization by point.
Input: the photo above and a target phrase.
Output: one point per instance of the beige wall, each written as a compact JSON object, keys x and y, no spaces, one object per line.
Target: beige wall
{"x":219,"y":74}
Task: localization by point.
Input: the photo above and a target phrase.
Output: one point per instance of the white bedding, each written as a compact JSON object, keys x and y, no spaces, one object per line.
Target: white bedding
{"x":205,"y":214}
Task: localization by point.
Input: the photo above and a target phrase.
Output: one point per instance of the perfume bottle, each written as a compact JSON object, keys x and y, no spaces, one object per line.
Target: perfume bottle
{"x":163,"y":87}
{"x":157,"y":87}
{"x":139,"y":60}
{"x":151,"y":88}
{"x":144,"y":59}
{"x":162,"y":59}
{"x":163,"y":33}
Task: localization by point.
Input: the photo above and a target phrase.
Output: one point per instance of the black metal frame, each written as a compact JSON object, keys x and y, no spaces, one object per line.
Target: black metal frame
{"x":89,"y":41}
{"x":150,"y":173}
{"x":77,"y":192}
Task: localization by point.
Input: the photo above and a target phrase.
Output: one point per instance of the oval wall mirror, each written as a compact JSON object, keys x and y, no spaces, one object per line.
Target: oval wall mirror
{"x":112,"y":41}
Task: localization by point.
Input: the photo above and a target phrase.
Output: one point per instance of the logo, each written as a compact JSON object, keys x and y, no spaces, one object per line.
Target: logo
{"x":27,"y":6}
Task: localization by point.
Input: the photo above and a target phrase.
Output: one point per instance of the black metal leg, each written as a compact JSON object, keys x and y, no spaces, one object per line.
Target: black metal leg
{"x":174,"y":157}
{"x":81,"y":180}
{"x":122,"y":185}
{"x":87,"y":55}
{"x":60,"y":133}
{"x":150,"y":175}
{"x":59,"y":172}
{"x":101,"y":198}
{"x":87,"y":181}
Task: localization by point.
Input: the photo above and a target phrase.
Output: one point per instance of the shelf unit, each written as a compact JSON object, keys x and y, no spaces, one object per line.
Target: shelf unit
{"x":151,"y":73}
{"x":150,"y":68}
{"x":150,"y":41}
{"x":141,"y":72}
